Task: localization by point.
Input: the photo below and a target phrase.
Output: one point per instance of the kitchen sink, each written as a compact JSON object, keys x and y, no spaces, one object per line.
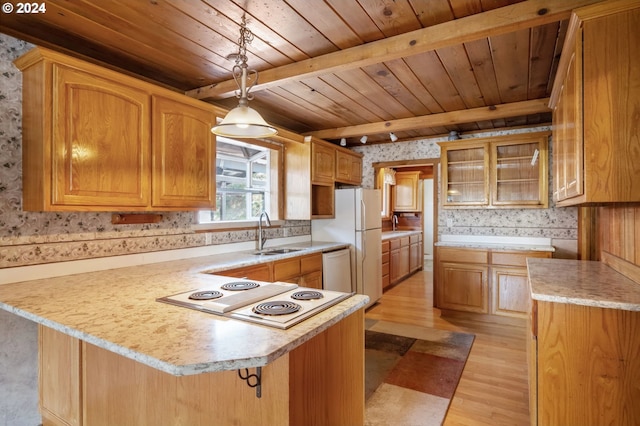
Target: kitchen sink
{"x":276,"y":251}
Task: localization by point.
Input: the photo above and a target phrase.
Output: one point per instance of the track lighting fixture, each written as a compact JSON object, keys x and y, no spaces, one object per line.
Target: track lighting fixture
{"x":364,"y":139}
{"x":343,"y":142}
{"x":393,"y":137}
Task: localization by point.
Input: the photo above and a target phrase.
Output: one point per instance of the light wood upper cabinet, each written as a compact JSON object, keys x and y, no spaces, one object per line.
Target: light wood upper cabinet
{"x":465,"y":173}
{"x":183,"y":153}
{"x":98,"y":140}
{"x":323,"y":163}
{"x":311,"y":172}
{"x":505,"y":172}
{"x":348,"y":167}
{"x":407,"y":192}
{"x":94,"y":148}
{"x":595,"y":107}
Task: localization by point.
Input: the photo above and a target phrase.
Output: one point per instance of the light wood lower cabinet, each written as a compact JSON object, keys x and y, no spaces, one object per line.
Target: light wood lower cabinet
{"x":60,"y":377}
{"x":401,"y":257}
{"x":483,"y":281}
{"x":466,"y":287}
{"x":416,"y":258}
{"x":386,"y":262}
{"x":583,"y":365}
{"x":108,"y":389}
{"x":305,"y":270}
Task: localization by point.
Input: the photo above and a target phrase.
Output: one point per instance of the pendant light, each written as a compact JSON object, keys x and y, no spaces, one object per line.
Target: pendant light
{"x":244,"y":121}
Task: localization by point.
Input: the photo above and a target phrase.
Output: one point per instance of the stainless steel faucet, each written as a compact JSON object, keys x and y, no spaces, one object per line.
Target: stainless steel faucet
{"x":394,"y":222}
{"x":261,"y":238}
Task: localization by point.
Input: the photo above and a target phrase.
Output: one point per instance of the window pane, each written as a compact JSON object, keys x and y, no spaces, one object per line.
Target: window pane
{"x":242,"y":181}
{"x":234,"y":206}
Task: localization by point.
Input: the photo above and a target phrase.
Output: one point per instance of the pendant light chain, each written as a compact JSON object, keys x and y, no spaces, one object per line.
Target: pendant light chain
{"x":240,"y":70}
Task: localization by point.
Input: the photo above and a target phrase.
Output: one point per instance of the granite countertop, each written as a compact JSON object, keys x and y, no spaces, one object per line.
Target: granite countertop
{"x":116,"y":310}
{"x":496,"y":243}
{"x":581,"y":282}
{"x":387,"y":235}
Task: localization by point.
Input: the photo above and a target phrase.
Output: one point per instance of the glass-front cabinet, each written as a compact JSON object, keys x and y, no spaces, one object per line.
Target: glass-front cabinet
{"x":465,"y":168}
{"x":504,"y":172}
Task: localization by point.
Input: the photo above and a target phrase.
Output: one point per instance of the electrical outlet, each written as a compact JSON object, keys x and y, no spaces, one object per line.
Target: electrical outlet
{"x":449,"y":222}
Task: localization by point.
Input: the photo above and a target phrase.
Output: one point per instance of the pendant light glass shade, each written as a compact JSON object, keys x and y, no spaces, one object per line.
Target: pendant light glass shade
{"x":244,"y":122}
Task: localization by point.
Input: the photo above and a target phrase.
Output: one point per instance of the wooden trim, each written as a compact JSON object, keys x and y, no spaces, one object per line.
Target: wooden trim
{"x":622,"y":266}
{"x":491,"y":112}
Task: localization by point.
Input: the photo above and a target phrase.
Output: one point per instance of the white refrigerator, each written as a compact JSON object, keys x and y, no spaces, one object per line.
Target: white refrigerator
{"x":358,"y":222}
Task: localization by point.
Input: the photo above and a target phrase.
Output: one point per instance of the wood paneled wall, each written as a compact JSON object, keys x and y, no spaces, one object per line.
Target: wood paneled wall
{"x":619,"y":238}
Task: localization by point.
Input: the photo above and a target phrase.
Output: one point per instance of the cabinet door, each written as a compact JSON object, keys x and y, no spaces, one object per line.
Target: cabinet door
{"x":510,"y":291}
{"x":519,"y":172}
{"x":407,"y":196}
{"x":394,"y":266}
{"x":322,"y":163}
{"x":60,"y":377}
{"x":568,"y":159}
{"x":415,"y":255}
{"x":287,"y":270}
{"x":348,"y":168}
{"x":465,"y":178}
{"x":101,"y":142}
{"x":260,"y":272}
{"x":463,"y":287}
{"x":405,"y":260}
{"x":312,"y":280}
{"x":183,"y":154}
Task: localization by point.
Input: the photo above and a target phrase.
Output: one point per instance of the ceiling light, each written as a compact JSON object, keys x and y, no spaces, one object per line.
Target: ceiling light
{"x":343,"y":142}
{"x":243,"y":121}
{"x":393,"y":137}
{"x":364,"y":139}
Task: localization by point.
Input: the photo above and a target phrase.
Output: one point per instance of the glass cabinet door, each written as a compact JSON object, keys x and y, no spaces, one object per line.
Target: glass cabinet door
{"x":518,"y":177}
{"x":466,"y":176}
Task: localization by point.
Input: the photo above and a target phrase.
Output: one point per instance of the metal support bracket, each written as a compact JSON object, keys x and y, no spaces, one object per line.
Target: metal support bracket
{"x":253,"y":380}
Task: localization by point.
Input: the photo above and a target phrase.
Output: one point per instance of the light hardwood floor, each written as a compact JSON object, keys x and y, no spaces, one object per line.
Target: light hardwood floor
{"x":493,"y":389}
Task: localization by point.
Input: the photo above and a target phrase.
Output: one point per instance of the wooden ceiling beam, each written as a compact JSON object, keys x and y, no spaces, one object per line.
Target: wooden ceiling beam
{"x":526,"y":14}
{"x":492,"y":112}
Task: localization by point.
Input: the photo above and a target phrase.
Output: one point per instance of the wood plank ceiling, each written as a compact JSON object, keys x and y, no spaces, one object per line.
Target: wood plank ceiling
{"x":331,"y":68}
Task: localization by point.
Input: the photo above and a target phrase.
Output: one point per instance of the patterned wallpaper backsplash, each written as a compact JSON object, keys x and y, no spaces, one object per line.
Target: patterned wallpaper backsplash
{"x":29,"y":238}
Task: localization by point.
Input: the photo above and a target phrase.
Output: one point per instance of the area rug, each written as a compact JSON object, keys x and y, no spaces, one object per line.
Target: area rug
{"x":411,"y":372}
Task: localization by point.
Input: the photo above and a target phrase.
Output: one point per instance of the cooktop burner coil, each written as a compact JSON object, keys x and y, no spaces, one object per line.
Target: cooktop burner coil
{"x":240,"y":285}
{"x":276,"y":307}
{"x":205,"y":295}
{"x":307,"y":295}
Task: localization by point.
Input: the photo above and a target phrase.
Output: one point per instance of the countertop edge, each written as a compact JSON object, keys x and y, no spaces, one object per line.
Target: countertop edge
{"x":581,"y":282}
{"x":496,"y":246}
{"x":324,"y":320}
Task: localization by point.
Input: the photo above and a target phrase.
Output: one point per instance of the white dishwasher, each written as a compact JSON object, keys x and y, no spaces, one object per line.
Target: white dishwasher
{"x":336,"y":270}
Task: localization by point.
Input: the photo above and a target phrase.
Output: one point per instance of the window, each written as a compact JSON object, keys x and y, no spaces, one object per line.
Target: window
{"x":244,"y":176}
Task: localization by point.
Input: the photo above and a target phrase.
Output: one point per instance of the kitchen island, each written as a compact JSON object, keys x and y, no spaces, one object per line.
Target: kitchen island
{"x":111,"y":354}
{"x":584,"y":344}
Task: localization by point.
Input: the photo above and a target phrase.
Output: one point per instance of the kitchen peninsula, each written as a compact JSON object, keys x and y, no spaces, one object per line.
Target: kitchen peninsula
{"x":111,"y":354}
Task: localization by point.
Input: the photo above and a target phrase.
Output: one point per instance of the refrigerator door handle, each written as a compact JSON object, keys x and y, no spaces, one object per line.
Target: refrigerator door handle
{"x":363,"y":215}
{"x":364,"y":246}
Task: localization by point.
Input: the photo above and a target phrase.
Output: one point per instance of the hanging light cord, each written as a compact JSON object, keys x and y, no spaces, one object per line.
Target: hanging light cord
{"x":240,"y":71}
